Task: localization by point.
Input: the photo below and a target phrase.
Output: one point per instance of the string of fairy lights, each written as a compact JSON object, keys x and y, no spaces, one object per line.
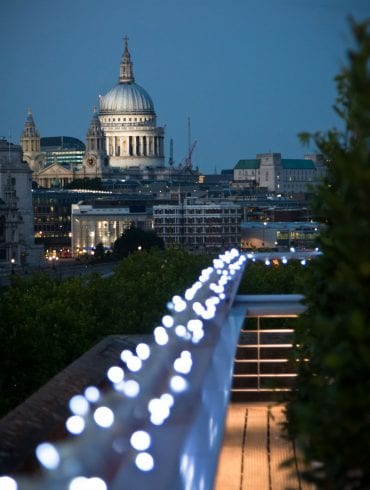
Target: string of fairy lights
{"x":96,"y":416}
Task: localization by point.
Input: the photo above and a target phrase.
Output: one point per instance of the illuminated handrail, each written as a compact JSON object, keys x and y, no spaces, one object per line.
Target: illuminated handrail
{"x":161,"y":424}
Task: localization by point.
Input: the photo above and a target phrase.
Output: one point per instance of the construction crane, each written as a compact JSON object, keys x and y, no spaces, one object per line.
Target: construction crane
{"x":191,"y":147}
{"x":188,"y":159}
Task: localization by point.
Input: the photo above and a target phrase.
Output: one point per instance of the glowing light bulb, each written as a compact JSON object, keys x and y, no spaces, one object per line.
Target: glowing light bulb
{"x":7,"y":483}
{"x":180,"y":331}
{"x":115,"y":374}
{"x":160,"y":336}
{"x":134,"y":364}
{"x":78,"y":405}
{"x":75,"y":424}
{"x":131,"y":388}
{"x":104,"y":417}
{"x":126,"y":355}
{"x":48,"y":455}
{"x":83,"y":483}
{"x":178,"y":384}
{"x":92,"y":394}
{"x":167,"y":321}
{"x":144,"y":461}
{"x":143,"y":351}
{"x":140,"y":440}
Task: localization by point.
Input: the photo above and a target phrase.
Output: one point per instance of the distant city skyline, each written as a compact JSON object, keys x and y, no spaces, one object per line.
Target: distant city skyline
{"x":250,"y":74}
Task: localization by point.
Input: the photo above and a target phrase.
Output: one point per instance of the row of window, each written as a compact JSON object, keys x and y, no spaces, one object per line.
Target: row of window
{"x":197,"y":211}
{"x":125,"y":119}
{"x":197,"y":230}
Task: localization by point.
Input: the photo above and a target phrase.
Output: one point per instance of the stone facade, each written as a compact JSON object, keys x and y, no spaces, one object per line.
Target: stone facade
{"x":279,"y":175}
{"x":17,"y":246}
{"x":123,"y":136}
{"x":196,"y":224}
{"x":92,"y":224}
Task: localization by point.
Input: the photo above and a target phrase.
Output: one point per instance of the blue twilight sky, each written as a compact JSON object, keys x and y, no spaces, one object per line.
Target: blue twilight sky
{"x":250,"y":74}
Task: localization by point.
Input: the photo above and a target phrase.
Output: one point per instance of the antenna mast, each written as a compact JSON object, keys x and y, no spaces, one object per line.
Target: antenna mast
{"x":191,"y":147}
{"x":170,"y":161}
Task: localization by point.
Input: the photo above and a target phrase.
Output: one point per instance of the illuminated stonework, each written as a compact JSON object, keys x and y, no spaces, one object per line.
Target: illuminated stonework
{"x":128,"y":121}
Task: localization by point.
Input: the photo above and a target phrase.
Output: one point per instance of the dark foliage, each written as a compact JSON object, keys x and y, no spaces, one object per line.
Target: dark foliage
{"x":135,"y":239}
{"x":46,"y":324}
{"x":330,"y":410}
{"x":86,"y":183}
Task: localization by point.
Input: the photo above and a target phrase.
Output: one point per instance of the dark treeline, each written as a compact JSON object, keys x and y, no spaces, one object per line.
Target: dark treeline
{"x":46,"y":323}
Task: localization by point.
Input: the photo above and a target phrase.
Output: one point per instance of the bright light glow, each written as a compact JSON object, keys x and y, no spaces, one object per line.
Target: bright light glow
{"x":143,"y":351}
{"x":194,"y":325}
{"x":214,"y":300}
{"x":218,"y":263}
{"x":131,"y":388}
{"x":198,"y":308}
{"x":160,"y":336}
{"x":168,"y":399}
{"x":92,"y":394}
{"x":284,"y":260}
{"x":104,"y":417}
{"x":191,"y":292}
{"x":209,"y":313}
{"x":48,"y":455}
{"x":159,"y":410}
{"x":75,"y":424}
{"x":126,"y":355}
{"x":78,"y":405}
{"x":267,"y":262}
{"x":115,"y":374}
{"x":183,"y":363}
{"x":144,"y":461}
{"x":134,"y":364}
{"x":179,"y":305}
{"x":180,"y":331}
{"x":83,"y":483}
{"x":292,"y":249}
{"x":216,"y":288}
{"x":167,"y":321}
{"x":7,"y":483}
{"x":178,"y":384}
{"x":303,"y":262}
{"x":205,"y":274}
{"x":140,"y":440}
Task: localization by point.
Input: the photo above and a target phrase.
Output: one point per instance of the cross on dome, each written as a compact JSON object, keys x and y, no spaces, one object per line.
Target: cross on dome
{"x":126,"y":74}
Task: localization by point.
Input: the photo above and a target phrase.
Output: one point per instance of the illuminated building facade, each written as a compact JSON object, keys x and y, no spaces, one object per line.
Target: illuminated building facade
{"x":103,"y":223}
{"x":199,"y":225}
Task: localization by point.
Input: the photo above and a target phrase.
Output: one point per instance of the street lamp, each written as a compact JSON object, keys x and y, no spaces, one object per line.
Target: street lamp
{"x":12,"y":261}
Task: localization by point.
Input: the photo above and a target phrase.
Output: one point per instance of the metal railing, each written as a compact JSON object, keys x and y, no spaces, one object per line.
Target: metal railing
{"x":161,"y":424}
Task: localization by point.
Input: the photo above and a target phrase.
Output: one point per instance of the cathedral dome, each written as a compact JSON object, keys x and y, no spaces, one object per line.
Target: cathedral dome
{"x":126,"y":98}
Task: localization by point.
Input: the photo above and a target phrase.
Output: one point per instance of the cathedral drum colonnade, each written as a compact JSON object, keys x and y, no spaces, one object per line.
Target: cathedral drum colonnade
{"x":123,"y":134}
{"x":128,"y":121}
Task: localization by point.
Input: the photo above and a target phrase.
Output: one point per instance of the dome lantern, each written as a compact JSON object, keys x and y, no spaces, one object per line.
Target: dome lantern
{"x":126,"y":73}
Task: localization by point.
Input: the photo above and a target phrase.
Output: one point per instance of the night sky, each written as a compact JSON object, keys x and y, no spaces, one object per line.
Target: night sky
{"x":250,"y":74}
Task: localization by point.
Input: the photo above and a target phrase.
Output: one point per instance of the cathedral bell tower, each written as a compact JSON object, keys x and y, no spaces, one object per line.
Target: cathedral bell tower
{"x":95,"y":162}
{"x":30,"y":143}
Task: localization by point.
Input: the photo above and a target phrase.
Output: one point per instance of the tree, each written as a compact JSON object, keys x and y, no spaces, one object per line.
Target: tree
{"x":329,"y":413}
{"x":46,"y":323}
{"x":85,"y":183}
{"x":99,"y":253}
{"x":136,"y":239}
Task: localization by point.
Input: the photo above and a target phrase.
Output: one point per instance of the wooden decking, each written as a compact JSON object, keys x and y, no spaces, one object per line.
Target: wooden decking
{"x":254,"y":449}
